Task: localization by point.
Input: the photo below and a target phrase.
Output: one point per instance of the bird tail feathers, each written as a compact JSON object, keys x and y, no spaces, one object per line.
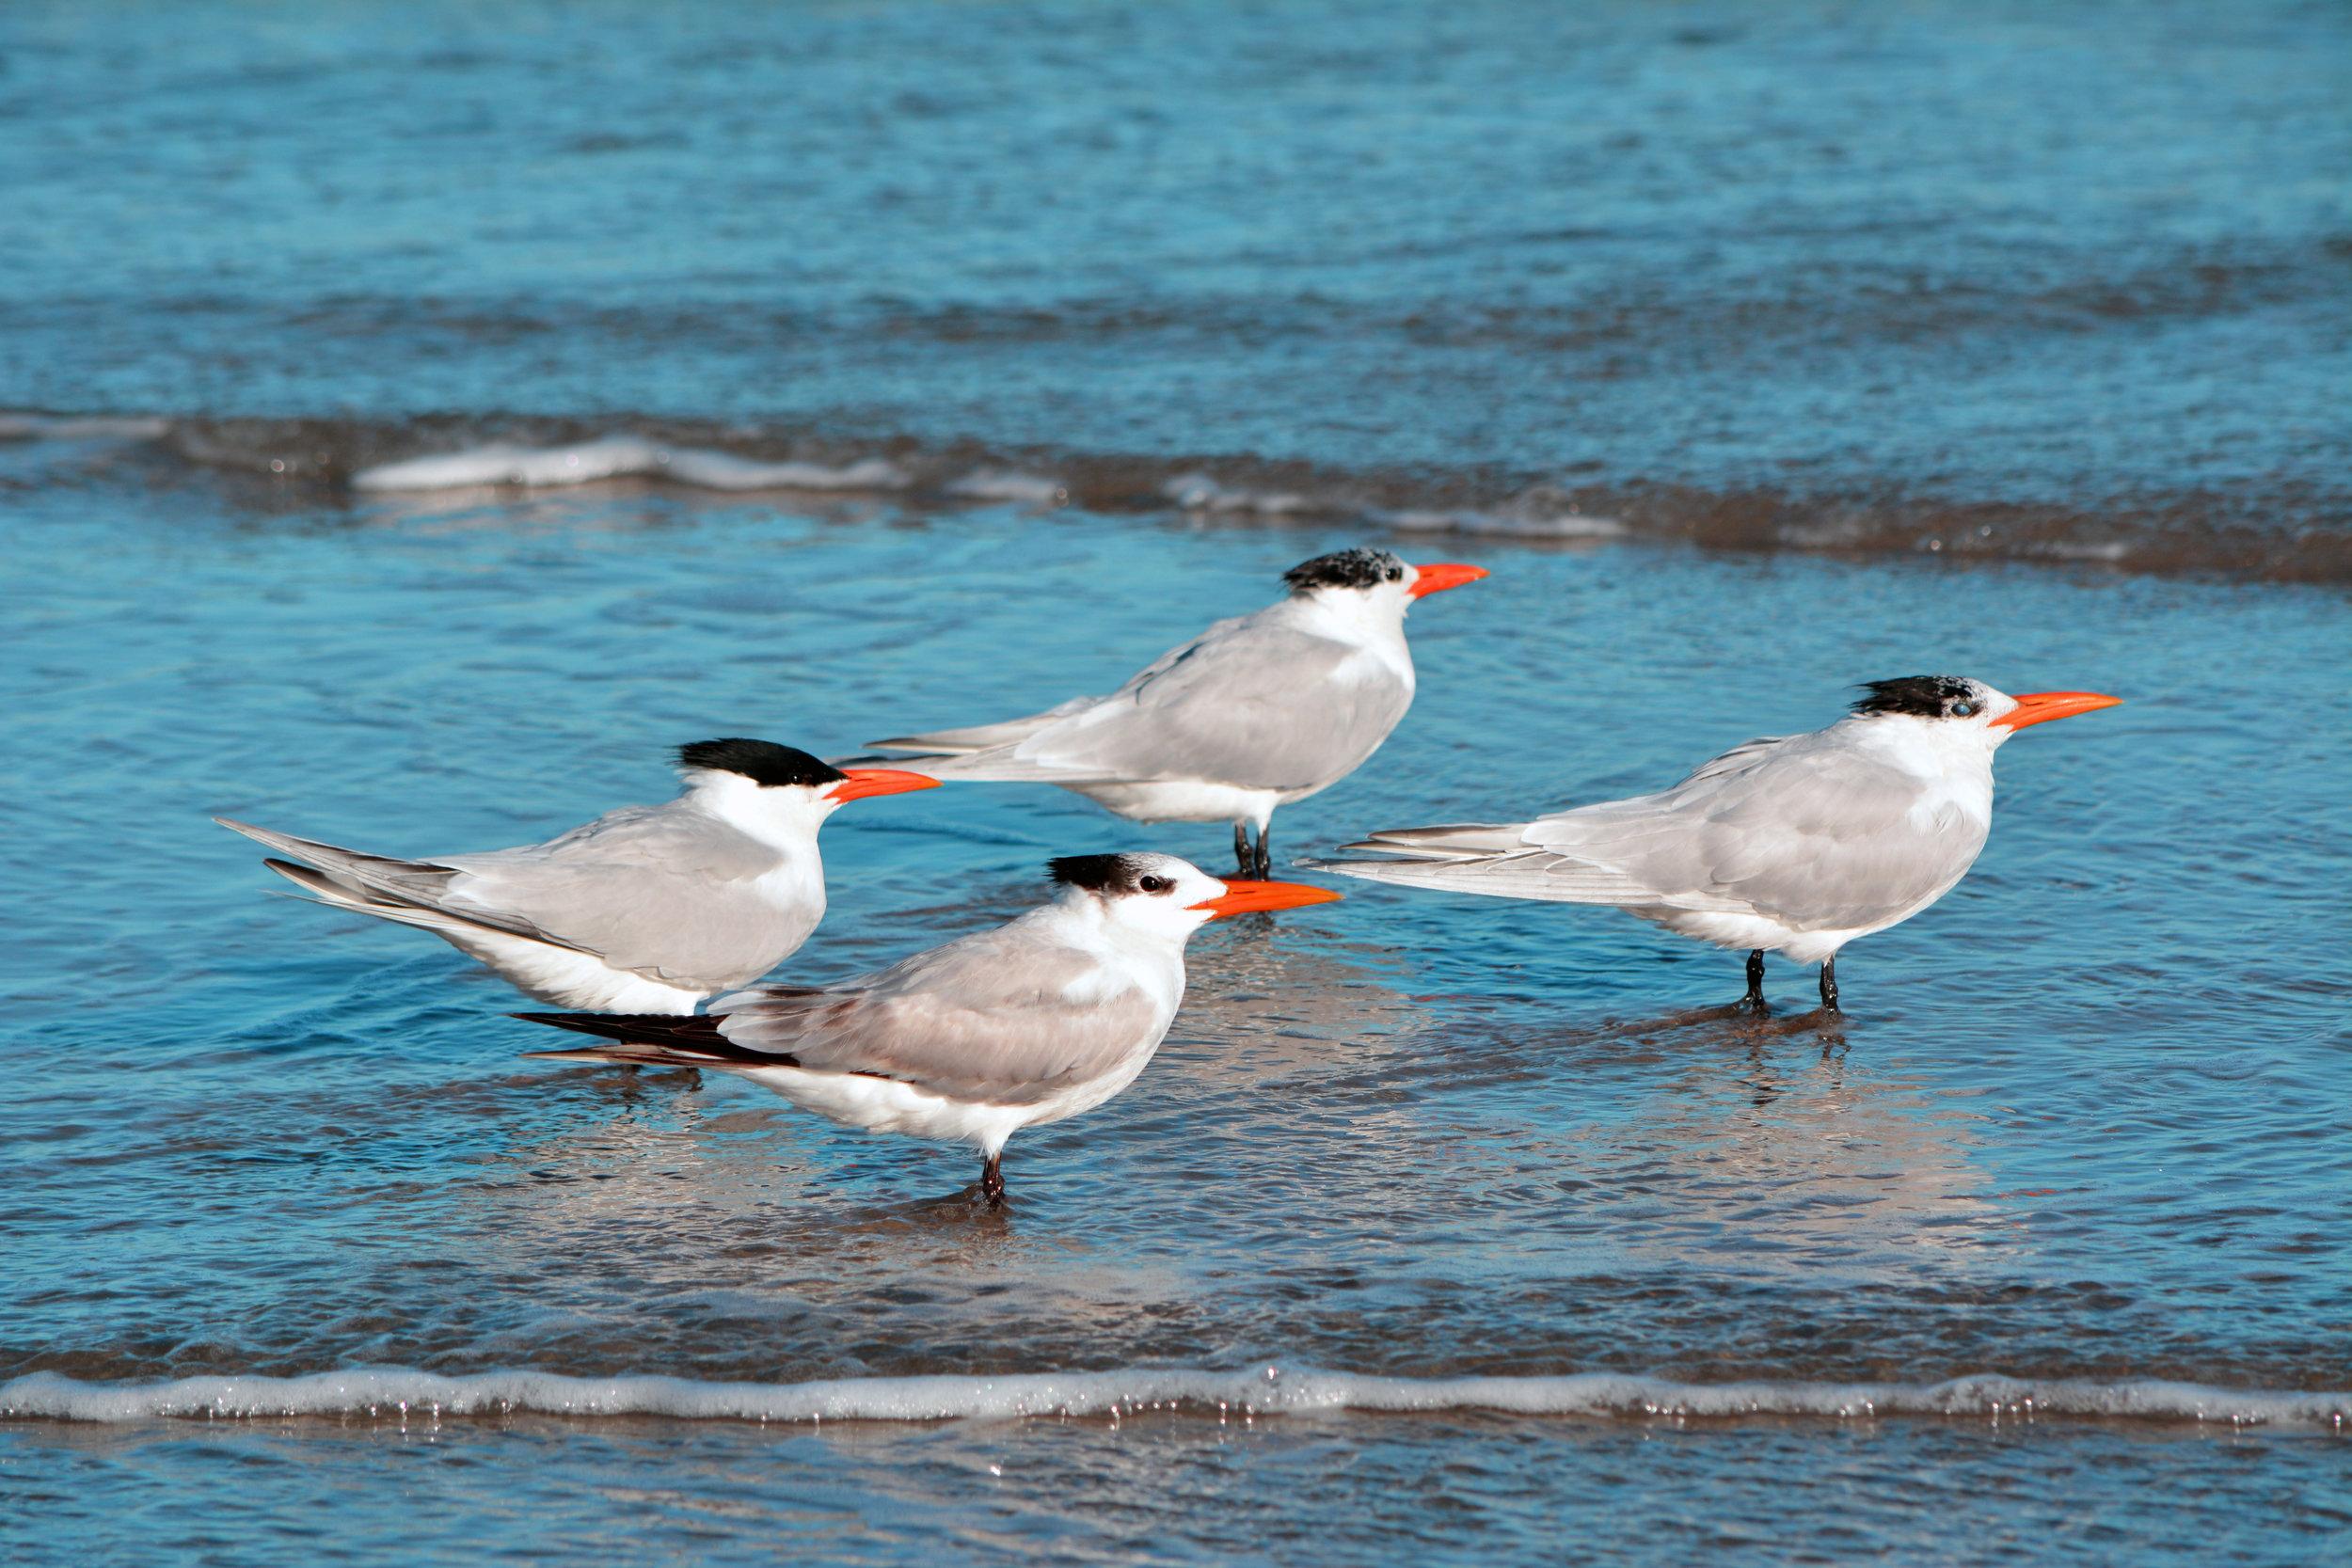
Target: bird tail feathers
{"x":1448,"y":841}
{"x":665,"y":1039}
{"x":984,"y":738}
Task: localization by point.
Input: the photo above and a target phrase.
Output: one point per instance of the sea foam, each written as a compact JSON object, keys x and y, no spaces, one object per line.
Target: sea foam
{"x":617,"y":457}
{"x":1573,"y":525}
{"x":1261,"y":1391}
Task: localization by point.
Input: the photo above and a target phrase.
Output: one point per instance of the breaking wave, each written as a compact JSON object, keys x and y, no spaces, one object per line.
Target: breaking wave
{"x":389,"y":1392}
{"x":617,"y":457}
{"x":2286,"y":535}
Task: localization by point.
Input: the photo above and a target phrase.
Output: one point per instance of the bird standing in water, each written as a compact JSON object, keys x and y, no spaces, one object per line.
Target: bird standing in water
{"x":646,"y":909}
{"x":972,"y":1040}
{"x":1253,"y":713}
{"x":1794,"y":843}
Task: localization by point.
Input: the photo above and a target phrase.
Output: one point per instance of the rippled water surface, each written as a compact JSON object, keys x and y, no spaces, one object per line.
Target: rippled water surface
{"x":2022,"y":279}
{"x":2084,"y":1125}
{"x":1757,"y":351}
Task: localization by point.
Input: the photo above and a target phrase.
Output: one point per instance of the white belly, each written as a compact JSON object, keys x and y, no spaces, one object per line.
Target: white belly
{"x":887,"y":1105}
{"x":1187,"y":800}
{"x":568,"y":978}
{"x":1758,"y":932}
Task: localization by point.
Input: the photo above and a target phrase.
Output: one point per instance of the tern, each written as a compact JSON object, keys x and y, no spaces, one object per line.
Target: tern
{"x":646,"y":909}
{"x":1253,"y":713}
{"x":1796,"y":844}
{"x":969,"y":1042}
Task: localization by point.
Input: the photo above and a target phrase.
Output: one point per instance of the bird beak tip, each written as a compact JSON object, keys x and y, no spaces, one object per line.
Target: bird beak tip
{"x":1438,"y":576}
{"x":1248,"y":897}
{"x":859,"y":782}
{"x":2037,"y":707}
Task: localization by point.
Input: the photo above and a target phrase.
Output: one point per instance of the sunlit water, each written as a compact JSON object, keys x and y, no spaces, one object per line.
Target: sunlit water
{"x":1440,"y":1228}
{"x":2083,"y":1128}
{"x":2017,"y":279}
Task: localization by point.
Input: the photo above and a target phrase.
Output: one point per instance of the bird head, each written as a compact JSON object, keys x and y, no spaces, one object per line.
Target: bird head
{"x":1376,"y":579}
{"x":784,"y":780}
{"x":1170,"y":897}
{"x":1966,"y":706}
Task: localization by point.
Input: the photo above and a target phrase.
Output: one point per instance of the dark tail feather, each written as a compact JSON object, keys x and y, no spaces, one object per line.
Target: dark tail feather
{"x":659,"y":1037}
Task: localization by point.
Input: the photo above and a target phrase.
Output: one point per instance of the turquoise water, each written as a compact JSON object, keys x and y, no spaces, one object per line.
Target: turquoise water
{"x":2018,"y":279}
{"x":1441,"y":1229}
{"x":2083,"y":1128}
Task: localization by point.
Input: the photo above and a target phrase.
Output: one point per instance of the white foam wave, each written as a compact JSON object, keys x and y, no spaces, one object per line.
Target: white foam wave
{"x":615,"y":457}
{"x":1200,"y":493}
{"x":1490,"y":525}
{"x":55,"y":427}
{"x":1264,"y":1391}
{"x":992,"y":484}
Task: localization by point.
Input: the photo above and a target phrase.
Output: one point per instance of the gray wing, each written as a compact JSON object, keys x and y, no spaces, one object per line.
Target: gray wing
{"x":1249,"y":702}
{"x":992,"y":1017}
{"x":664,"y":890}
{"x":410,"y":892}
{"x":1804,"y":830}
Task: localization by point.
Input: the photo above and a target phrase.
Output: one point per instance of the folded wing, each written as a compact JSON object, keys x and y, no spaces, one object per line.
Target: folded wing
{"x":661,"y":891}
{"x":994,"y":1018}
{"x":1252,"y":702}
{"x":1806,"y":830}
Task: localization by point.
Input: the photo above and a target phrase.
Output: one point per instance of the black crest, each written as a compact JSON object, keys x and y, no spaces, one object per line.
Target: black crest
{"x":1922,"y":696}
{"x":765,"y":763}
{"x":1107,"y":874}
{"x":1355,"y":568}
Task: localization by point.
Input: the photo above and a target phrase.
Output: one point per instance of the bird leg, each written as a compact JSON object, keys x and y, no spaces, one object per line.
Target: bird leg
{"x":1755,"y":998}
{"x":1248,"y":862}
{"x":1829,"y":985}
{"x":992,"y":1181}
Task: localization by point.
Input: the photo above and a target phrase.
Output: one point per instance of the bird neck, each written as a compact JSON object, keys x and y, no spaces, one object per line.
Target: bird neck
{"x":1958,"y":757}
{"x":1347,"y":615}
{"x":785,"y":817}
{"x":1152,"y":955}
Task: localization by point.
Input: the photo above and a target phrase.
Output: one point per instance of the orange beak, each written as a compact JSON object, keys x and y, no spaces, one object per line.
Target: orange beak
{"x":1438,"y":576}
{"x":2040,"y":706}
{"x":1249,"y":897}
{"x":878,"y":781}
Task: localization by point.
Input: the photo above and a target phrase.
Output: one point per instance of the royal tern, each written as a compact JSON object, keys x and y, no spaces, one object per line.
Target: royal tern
{"x":1035,"y":1021}
{"x":1797,"y":843}
{"x":646,"y":909}
{"x":1255,"y":712}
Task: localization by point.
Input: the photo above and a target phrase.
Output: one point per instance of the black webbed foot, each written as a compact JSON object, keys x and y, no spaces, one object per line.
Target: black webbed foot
{"x":1753,"y":1002}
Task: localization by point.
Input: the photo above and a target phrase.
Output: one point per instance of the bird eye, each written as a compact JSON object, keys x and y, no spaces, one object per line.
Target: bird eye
{"x":1964,"y":709}
{"x":1395,"y":574}
{"x":1154,"y":884}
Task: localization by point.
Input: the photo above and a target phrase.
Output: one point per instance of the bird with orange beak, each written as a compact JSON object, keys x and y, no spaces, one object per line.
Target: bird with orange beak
{"x":1793,"y":843}
{"x":646,"y":909}
{"x":969,"y":1042}
{"x":1254,"y":713}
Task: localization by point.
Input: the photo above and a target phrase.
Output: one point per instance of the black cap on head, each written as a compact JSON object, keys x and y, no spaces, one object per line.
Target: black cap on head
{"x":1355,"y":568}
{"x":1106,"y":874}
{"x":765,"y":763}
{"x":1921,"y":696}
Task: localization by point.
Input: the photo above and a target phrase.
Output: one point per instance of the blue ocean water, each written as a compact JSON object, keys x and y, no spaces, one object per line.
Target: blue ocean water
{"x":1440,"y":1228}
{"x":2024,"y":279}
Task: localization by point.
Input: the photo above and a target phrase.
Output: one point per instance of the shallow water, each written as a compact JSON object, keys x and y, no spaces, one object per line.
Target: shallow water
{"x":1447,"y":1488}
{"x":1440,"y":1228}
{"x":2083,"y":1129}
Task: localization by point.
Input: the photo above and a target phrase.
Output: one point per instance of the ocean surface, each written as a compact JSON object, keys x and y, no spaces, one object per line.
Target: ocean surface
{"x":417,"y":421}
